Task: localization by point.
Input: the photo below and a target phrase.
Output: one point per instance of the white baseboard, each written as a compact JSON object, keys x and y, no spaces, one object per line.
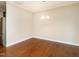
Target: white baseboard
{"x":41,"y":37}
{"x":46,"y":38}
{"x":18,"y":41}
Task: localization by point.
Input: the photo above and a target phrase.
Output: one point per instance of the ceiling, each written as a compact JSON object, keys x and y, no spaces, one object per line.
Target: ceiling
{"x":36,"y":6}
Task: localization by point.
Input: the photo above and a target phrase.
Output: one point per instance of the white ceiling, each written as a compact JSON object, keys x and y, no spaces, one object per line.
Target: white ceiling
{"x":36,"y":6}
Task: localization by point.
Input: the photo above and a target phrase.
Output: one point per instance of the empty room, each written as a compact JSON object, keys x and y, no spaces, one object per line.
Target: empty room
{"x":42,"y":29}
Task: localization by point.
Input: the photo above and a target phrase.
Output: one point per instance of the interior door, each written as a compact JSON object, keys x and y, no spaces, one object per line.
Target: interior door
{"x":1,"y":40}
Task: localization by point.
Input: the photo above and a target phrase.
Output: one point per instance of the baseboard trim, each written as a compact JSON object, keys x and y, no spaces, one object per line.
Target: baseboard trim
{"x":45,"y":38}
{"x":18,"y":41}
{"x":40,"y":37}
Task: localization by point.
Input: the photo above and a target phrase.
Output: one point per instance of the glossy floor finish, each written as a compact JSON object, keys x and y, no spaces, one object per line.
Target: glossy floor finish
{"x":42,"y":48}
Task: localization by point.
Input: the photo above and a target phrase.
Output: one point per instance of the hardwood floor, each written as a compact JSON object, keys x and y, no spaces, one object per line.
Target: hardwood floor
{"x":2,"y":50}
{"x":42,"y":48}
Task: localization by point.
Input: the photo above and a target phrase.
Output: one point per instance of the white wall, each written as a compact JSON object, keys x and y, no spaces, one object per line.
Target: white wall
{"x":18,"y":24}
{"x":63,"y":24}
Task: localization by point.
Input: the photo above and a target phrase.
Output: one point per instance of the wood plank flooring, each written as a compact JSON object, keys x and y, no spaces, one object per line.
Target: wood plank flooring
{"x":2,"y":50}
{"x":42,"y":48}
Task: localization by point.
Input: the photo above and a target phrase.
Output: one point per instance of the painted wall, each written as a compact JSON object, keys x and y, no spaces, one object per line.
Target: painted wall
{"x":61,"y":24}
{"x":18,"y":24}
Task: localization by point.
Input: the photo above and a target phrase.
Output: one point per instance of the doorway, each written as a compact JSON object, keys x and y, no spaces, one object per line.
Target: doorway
{"x":2,"y":28}
{"x":1,"y":23}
